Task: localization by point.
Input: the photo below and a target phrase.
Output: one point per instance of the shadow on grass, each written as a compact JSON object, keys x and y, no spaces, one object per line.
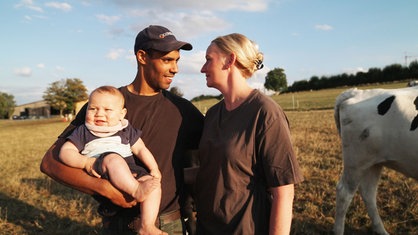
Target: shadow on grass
{"x":314,"y":227}
{"x":55,"y":188}
{"x":34,"y":220}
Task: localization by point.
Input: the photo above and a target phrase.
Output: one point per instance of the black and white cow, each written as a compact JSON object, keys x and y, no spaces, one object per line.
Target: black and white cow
{"x":378,"y":128}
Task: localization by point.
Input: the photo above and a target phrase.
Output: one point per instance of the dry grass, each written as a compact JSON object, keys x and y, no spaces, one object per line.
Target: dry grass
{"x":31,"y":203}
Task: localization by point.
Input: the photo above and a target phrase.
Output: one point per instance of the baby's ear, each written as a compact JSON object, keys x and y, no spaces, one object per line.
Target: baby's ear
{"x":123,"y":113}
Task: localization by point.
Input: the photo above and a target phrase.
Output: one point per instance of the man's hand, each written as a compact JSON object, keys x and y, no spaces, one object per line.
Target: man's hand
{"x":89,"y":167}
{"x":156,"y":173}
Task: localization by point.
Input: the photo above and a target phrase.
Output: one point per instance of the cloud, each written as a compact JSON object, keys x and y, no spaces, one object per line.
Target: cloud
{"x":203,"y":21}
{"x":131,"y":58}
{"x":29,"y":4}
{"x":30,"y":18}
{"x":58,"y":72}
{"x":218,"y":5}
{"x":354,"y":70}
{"x":115,"y":31}
{"x":59,"y":5}
{"x":324,"y":27}
{"x":222,"y":5}
{"x":86,"y":3}
{"x":190,"y":63}
{"x":59,"y":68}
{"x":186,"y":19}
{"x":24,"y":72}
{"x":41,"y":66}
{"x":255,"y":5}
{"x":114,"y":54}
{"x":182,"y":24}
{"x":110,"y":20}
{"x":25,"y":94}
{"x":258,"y":79}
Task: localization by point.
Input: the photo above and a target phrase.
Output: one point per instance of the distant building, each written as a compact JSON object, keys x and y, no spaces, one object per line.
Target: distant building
{"x":40,"y":109}
{"x":34,"y":110}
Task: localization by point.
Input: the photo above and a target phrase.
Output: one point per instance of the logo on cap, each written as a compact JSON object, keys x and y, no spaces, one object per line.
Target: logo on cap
{"x":163,"y":35}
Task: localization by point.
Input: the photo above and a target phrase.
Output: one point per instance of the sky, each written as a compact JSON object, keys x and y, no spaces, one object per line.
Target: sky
{"x":47,"y":41}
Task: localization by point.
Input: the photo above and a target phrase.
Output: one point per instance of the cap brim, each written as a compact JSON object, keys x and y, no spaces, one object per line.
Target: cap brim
{"x":186,"y":46}
{"x":177,"y":45}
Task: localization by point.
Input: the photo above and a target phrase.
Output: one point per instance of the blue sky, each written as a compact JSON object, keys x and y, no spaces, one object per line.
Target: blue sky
{"x":46,"y":41}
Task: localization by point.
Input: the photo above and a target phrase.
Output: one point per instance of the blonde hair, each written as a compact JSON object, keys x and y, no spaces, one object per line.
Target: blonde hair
{"x":248,"y":58}
{"x":110,"y":90}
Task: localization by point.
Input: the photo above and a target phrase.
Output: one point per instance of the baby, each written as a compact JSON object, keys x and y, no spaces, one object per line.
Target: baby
{"x":105,"y":147}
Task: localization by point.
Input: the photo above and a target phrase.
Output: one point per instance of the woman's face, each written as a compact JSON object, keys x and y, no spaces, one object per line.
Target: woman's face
{"x":215,"y":67}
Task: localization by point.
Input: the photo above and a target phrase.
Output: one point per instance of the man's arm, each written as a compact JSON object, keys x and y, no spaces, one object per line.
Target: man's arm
{"x":79,"y":179}
{"x":191,"y":166}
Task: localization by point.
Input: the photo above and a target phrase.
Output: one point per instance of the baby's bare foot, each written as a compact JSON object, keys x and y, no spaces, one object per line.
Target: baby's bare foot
{"x":151,"y":230}
{"x":145,"y":187}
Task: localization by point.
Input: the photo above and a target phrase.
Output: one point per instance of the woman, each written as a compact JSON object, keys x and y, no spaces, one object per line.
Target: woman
{"x":248,"y":168}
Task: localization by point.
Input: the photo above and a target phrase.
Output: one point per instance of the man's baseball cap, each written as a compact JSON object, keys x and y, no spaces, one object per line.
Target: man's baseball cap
{"x":159,"y":38}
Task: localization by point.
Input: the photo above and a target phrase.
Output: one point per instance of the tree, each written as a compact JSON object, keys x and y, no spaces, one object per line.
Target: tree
{"x":63,"y":94}
{"x":276,"y":80}
{"x":75,"y":92}
{"x":175,"y":90}
{"x":7,"y":105}
{"x":413,"y":69}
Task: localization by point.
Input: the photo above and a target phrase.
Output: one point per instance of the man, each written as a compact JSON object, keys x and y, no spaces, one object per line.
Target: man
{"x":171,"y":127}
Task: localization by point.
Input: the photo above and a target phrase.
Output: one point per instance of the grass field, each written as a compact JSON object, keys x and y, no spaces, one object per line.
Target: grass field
{"x":32,"y":203}
{"x":306,"y":100}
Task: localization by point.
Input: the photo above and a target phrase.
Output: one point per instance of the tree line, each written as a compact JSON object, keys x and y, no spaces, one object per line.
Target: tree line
{"x":390,"y":73}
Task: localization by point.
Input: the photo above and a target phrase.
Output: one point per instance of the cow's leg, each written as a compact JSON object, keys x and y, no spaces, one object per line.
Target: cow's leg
{"x":368,"y":191}
{"x":346,"y":188}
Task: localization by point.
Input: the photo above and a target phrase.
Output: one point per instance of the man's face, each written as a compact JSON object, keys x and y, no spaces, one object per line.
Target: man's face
{"x":160,"y":69}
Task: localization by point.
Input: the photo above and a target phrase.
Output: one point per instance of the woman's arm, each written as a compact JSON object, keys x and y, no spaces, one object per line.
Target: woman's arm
{"x":79,"y":179}
{"x":281,"y":209}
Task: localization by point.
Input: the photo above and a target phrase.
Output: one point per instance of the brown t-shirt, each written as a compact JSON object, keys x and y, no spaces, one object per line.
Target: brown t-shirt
{"x":242,"y":153}
{"x":170,"y":126}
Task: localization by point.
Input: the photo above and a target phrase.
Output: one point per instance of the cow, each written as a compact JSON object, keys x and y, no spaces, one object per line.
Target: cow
{"x":378,"y":128}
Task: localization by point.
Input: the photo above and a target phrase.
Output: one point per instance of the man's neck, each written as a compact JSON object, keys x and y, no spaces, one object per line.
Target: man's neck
{"x":138,"y":89}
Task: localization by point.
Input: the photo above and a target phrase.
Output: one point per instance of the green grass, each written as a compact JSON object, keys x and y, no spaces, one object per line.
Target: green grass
{"x":323,"y":99}
{"x":307,"y":100}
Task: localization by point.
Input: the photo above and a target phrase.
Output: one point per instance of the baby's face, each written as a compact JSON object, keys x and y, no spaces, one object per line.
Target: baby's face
{"x":104,"y":110}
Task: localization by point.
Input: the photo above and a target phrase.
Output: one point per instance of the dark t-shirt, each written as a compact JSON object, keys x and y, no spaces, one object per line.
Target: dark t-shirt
{"x":170,"y":126}
{"x":242,"y":153}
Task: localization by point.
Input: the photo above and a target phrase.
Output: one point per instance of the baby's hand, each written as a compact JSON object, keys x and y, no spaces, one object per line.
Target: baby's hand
{"x":89,"y":167}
